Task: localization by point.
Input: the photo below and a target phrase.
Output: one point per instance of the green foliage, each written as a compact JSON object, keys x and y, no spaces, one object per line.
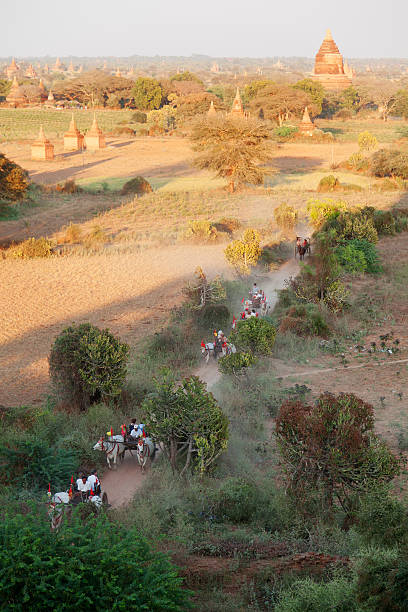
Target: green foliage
{"x":321,"y":210}
{"x":137,"y":185}
{"x":331,"y":452}
{"x":336,"y":296}
{"x":236,"y":362}
{"x":389,"y":162}
{"x":315,"y":90}
{"x":201,"y":230}
{"x":382,"y":580}
{"x":256,"y":335}
{"x":139,"y":117}
{"x":186,"y":76}
{"x":233,"y":148}
{"x":285,"y":216}
{"x":13,"y":180}
{"x":384,"y":222}
{"x":44,"y":569}
{"x":305,"y":595}
{"x":367,"y":141}
{"x":187,"y":420}
{"x":88,"y":364}
{"x":244,"y":254}
{"x":358,"y":162}
{"x":328,"y":183}
{"x":252,"y":89}
{"x":351,"y":258}
{"x":382,"y":519}
{"x":285,"y":132}
{"x":350,"y":99}
{"x":147,"y":93}
{"x":30,"y":248}
{"x":237,"y":500}
{"x":304,"y":320}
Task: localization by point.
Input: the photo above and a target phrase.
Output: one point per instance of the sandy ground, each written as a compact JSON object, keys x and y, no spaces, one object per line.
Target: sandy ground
{"x":128,"y":292}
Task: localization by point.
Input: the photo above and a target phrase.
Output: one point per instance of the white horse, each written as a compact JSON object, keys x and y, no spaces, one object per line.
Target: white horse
{"x":113,"y":448}
{"x":208,"y":349}
{"x":145,"y":449}
{"x":61,"y":503}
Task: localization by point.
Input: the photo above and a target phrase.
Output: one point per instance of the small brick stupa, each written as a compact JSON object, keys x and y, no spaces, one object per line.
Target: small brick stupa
{"x":42,"y":149}
{"x":211,"y":111}
{"x":73,"y":139}
{"x":329,"y":67}
{"x":307,"y":127}
{"x":12,"y":70}
{"x":16,"y":96}
{"x":30,"y":73}
{"x":94,"y":139}
{"x":237,"y":109}
{"x":51,"y":99}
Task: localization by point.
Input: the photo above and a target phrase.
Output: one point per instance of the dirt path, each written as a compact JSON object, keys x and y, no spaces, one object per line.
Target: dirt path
{"x":271,"y":284}
{"x":122,"y":484}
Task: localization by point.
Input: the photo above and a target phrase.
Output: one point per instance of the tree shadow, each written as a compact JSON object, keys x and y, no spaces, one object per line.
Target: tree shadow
{"x":49,"y":178}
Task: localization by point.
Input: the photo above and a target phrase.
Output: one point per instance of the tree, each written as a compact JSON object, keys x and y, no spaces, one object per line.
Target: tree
{"x":252,"y":89}
{"x":186,"y":419}
{"x":367,"y":141}
{"x":285,"y":216}
{"x":400,"y":106}
{"x":82,"y":566}
{"x":382,"y":580}
{"x":330,"y":450}
{"x":315,"y":90}
{"x":147,"y":93}
{"x":204,"y":292}
{"x":13,"y":180}
{"x":244,"y":254}
{"x":383,"y":93}
{"x":232,"y":148}
{"x":5,"y":86}
{"x":280,"y":103}
{"x":189,"y":106}
{"x":254,"y":335}
{"x":93,"y":88}
{"x":186,"y":76}
{"x":350,"y":99}
{"x":88,"y":364}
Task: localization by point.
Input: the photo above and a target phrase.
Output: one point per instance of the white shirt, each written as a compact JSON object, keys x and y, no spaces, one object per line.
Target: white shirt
{"x":92,"y":482}
{"x":137,"y":432}
{"x":82,"y":486}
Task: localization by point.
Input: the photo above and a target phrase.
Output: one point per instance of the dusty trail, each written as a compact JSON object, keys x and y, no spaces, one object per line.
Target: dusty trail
{"x":122,"y":484}
{"x":271,"y":284}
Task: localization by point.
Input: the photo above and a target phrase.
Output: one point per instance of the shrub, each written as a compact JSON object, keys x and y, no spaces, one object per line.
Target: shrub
{"x":137,"y":185}
{"x":44,"y":569}
{"x":337,"y":595}
{"x":255,"y":335}
{"x":123,"y":130}
{"x":336,"y":297}
{"x":344,"y":114}
{"x":304,"y":320}
{"x":352,"y":225}
{"x":236,"y":362}
{"x":201,"y":231}
{"x":391,"y":163}
{"x":382,"y":580}
{"x":328,"y":183}
{"x":237,"y":500}
{"x":285,"y":216}
{"x":139,"y":117}
{"x":215,"y":316}
{"x":285,"y":132}
{"x":367,"y":141}
{"x":69,"y":186}
{"x":351,"y":258}
{"x":358,"y":162}
{"x":73,"y":233}
{"x":88,"y":364}
{"x":244,"y":254}
{"x":13,"y":180}
{"x":381,"y":519}
{"x":384,"y":222}
{"x":321,"y":210}
{"x":30,"y":248}
{"x":97,"y":236}
{"x":228,"y":225}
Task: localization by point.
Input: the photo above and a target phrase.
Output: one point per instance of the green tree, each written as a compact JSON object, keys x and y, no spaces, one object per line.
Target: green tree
{"x":280,"y":103}
{"x":13,"y":180}
{"x":382,"y":580}
{"x":255,"y":335}
{"x":88,"y":364}
{"x":186,"y":419}
{"x":315,"y":90}
{"x":5,"y":86}
{"x":400,"y":106}
{"x":252,"y":89}
{"x":330,"y":450}
{"x":244,"y":254}
{"x":93,"y":88}
{"x":82,"y":566}
{"x":350,"y":99}
{"x":186,"y":76}
{"x":147,"y":93}
{"x":367,"y":141}
{"x":233,"y":148}
{"x":285,"y":216}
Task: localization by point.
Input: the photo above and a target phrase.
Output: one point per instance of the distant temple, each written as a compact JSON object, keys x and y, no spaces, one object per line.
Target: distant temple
{"x":12,"y":70}
{"x":329,"y":69}
{"x":16,"y":96}
{"x":94,"y":138}
{"x":30,"y":73}
{"x":307,"y":126}
{"x":237,"y":106}
{"x":211,"y":111}
{"x":42,"y":149}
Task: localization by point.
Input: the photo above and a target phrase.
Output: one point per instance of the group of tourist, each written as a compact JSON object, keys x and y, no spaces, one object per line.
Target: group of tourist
{"x":87,"y":486}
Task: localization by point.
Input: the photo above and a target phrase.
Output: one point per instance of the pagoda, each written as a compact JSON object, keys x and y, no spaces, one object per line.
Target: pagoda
{"x":71,"y":67}
{"x":73,"y":139}
{"x":329,"y":67}
{"x":118,"y":72}
{"x":211,"y":111}
{"x":43,"y":91}
{"x":237,"y":106}
{"x":16,"y":96}
{"x":12,"y":70}
{"x":59,"y":66}
{"x":46,"y":69}
{"x":30,"y":73}
{"x":307,"y":127}
{"x":42,"y":149}
{"x":51,"y":99}
{"x":94,"y":139}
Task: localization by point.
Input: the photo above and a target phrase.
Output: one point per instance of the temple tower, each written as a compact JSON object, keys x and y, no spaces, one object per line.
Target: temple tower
{"x":307,"y":126}
{"x":94,"y":139}
{"x":237,"y":106}
{"x":16,"y":96}
{"x":42,"y":149}
{"x":73,"y":139}
{"x":211,"y":111}
{"x":329,"y":67}
{"x":12,"y":70}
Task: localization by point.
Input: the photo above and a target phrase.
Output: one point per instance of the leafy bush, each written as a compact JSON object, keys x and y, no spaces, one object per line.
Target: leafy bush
{"x":358,"y":162}
{"x":147,"y":93}
{"x":304,"y":595}
{"x":96,"y":237}
{"x":201,"y":231}
{"x":123,"y":130}
{"x":367,"y":141}
{"x":321,"y":210}
{"x":69,"y":186}
{"x":328,"y":183}
{"x":73,"y":233}
{"x":237,"y":500}
{"x":255,"y":335}
{"x":30,"y":248}
{"x":139,"y":117}
{"x":382,"y":580}
{"x":384,"y":222}
{"x":382,"y":519}
{"x":215,"y":316}
{"x":228,"y":225}
{"x":234,"y":363}
{"x":285,"y":216}
{"x":13,"y":180}
{"x":88,"y":364}
{"x":285,"y":132}
{"x":389,"y":162}
{"x":304,"y":320}
{"x":137,"y":185}
{"x":44,"y":569}
{"x":244,"y":254}
{"x":351,"y":258}
{"x":352,"y":225}
{"x":336,"y":296}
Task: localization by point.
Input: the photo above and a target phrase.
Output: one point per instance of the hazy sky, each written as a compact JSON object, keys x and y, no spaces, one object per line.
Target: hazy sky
{"x":225,"y":28}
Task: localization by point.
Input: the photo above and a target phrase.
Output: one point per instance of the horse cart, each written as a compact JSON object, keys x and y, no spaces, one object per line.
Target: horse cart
{"x":62,"y":503}
{"x":216,"y":350}
{"x":302,"y":247}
